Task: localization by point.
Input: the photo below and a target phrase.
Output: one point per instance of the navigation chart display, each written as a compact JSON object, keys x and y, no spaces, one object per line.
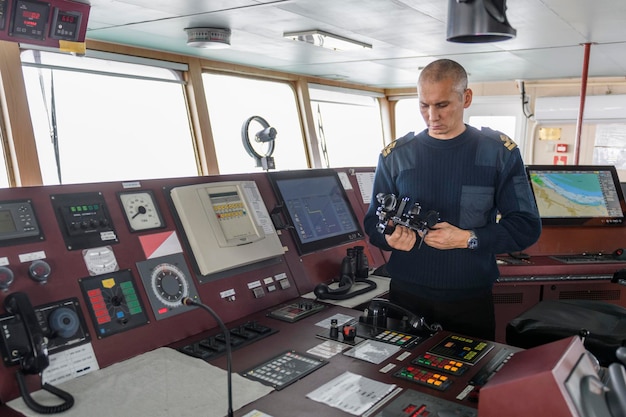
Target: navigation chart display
{"x":319,"y":212}
{"x":577,"y":195}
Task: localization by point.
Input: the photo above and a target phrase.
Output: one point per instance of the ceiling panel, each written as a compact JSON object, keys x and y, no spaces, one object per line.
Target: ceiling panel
{"x":405,"y":34}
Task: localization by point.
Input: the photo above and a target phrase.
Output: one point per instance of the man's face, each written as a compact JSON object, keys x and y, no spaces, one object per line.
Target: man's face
{"x":442,"y":108}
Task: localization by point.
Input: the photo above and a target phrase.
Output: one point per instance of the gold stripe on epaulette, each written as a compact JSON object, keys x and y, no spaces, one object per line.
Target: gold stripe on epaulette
{"x":389,"y":148}
{"x":508,"y":142}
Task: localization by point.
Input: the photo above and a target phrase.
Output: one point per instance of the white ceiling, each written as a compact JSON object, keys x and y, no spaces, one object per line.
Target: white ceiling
{"x":405,"y":35}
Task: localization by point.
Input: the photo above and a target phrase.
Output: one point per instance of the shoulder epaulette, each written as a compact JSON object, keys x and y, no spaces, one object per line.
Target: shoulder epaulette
{"x":506,"y":141}
{"x":387,"y":150}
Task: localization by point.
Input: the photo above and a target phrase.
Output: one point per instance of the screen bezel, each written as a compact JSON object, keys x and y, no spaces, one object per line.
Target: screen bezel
{"x":601,"y":221}
{"x":275,"y":177}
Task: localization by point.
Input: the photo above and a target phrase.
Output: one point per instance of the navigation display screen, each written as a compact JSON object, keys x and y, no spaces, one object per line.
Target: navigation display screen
{"x":584,"y":195}
{"x":319,"y":212}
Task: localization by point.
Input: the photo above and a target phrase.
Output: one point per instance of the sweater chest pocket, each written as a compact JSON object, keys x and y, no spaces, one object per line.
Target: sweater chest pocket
{"x":476,"y":205}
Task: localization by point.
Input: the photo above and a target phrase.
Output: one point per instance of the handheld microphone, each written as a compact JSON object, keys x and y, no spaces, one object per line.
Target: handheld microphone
{"x":189,"y":302}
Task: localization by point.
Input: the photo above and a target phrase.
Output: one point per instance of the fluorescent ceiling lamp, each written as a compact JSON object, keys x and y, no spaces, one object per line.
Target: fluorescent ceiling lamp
{"x":326,"y":40}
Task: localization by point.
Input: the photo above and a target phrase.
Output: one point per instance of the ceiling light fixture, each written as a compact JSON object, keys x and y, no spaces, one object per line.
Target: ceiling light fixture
{"x":326,"y":40}
{"x":209,"y":38}
{"x":478,"y":21}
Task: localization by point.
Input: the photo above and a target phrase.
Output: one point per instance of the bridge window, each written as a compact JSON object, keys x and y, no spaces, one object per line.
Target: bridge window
{"x":97,"y":118}
{"x":232,"y":100}
{"x":408,"y":117}
{"x":349,"y":128}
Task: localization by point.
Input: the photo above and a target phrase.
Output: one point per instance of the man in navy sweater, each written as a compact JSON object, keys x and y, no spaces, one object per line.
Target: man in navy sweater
{"x":476,"y":180}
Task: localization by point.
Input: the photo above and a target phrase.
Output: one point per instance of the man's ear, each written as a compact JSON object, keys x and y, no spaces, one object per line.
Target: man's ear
{"x":467,"y":97}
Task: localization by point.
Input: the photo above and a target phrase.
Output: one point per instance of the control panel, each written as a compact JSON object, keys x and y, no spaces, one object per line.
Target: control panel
{"x":114,"y":302}
{"x":53,"y":23}
{"x":18,"y":223}
{"x":61,"y":322}
{"x":84,"y":220}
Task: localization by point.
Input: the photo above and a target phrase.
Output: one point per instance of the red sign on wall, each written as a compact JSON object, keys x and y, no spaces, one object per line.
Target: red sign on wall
{"x":561,"y":147}
{"x":559,"y":160}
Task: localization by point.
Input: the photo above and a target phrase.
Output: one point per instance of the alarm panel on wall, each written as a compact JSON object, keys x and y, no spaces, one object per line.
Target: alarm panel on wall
{"x":226,"y":223}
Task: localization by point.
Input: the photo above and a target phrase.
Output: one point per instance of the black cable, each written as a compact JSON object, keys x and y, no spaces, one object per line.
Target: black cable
{"x":525,"y":100}
{"x":189,"y":302}
{"x":68,"y":399}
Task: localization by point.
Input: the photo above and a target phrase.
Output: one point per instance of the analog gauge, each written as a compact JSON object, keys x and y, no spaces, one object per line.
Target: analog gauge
{"x":100,"y":260}
{"x":141,"y":210}
{"x":169,"y":284}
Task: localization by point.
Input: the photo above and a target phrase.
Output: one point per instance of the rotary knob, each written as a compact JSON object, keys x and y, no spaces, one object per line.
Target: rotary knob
{"x":39,"y":271}
{"x":6,"y":278}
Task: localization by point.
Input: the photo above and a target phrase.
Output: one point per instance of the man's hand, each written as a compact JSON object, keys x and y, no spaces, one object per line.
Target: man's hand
{"x":446,"y":236}
{"x":402,"y":238}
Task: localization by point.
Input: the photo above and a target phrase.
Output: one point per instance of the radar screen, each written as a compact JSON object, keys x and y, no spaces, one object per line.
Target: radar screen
{"x":113,"y":302}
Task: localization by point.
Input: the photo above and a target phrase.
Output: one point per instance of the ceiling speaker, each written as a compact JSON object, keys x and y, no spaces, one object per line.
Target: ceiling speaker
{"x":210,"y":38}
{"x":478,"y":21}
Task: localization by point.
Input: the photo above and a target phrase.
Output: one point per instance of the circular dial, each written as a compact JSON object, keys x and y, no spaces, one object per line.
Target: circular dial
{"x":6,"y":277}
{"x":169,"y":284}
{"x":40,"y":271}
{"x":141,"y":210}
{"x":100,"y":260}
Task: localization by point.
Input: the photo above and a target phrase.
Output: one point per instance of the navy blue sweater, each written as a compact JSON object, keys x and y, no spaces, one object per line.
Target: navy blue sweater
{"x":468,"y":180}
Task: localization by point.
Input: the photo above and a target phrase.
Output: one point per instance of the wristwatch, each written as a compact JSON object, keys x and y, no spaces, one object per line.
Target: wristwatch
{"x":472,"y":242}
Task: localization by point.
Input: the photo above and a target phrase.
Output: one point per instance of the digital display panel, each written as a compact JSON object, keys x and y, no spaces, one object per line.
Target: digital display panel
{"x":583,"y":195}
{"x":65,"y":24}
{"x":29,"y":19}
{"x":319,"y":213}
{"x":7,"y":225}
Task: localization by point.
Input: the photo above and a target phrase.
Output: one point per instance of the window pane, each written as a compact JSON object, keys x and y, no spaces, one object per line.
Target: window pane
{"x":108,"y":128}
{"x":505,"y":124}
{"x":349,"y":128}
{"x":232,"y":101}
{"x":408,"y":117}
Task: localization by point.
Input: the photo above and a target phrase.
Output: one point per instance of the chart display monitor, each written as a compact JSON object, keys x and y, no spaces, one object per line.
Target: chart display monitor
{"x":577,"y":195}
{"x":317,"y":208}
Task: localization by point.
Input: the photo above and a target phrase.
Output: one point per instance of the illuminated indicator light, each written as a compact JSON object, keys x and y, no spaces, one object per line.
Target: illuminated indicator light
{"x":104,"y":319}
{"x":99,"y":306}
{"x":108,"y":283}
{"x":120,"y":314}
{"x":94,"y":293}
{"x":130,"y":296}
{"x":162,"y":310}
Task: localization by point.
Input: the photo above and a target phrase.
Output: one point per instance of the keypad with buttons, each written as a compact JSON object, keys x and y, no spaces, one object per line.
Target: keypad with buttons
{"x":441,"y":364}
{"x":428,"y":378}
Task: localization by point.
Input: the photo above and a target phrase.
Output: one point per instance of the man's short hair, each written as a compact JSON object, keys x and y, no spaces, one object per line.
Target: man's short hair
{"x":443,"y":69}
